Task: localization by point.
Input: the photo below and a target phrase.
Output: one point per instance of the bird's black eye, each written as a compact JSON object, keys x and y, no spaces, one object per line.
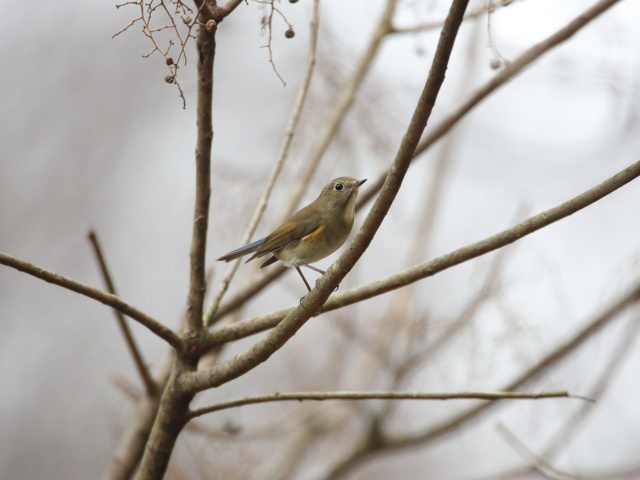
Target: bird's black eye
{"x":338,"y":186}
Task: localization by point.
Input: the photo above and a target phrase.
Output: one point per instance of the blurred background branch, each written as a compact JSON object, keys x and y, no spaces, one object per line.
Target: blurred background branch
{"x":143,"y":371}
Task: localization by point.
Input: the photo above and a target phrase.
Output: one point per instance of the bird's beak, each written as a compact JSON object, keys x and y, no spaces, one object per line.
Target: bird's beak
{"x":360,"y":183}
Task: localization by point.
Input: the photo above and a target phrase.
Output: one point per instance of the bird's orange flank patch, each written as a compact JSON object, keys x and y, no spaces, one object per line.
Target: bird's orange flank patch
{"x":313,"y":235}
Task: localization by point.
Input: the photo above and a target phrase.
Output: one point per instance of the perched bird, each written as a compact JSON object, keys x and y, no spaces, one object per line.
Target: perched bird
{"x":310,"y":234}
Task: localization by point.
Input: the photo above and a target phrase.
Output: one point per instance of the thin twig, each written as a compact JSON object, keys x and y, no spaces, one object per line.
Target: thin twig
{"x":148,"y":8}
{"x":294,"y":120}
{"x":348,"y":297}
{"x":319,"y":396}
{"x":139,"y":362}
{"x":539,"y":464}
{"x":103,"y":297}
{"x":268,"y":24}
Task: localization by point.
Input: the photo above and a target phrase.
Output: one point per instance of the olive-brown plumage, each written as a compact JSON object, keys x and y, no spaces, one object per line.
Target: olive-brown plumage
{"x":312,"y":233}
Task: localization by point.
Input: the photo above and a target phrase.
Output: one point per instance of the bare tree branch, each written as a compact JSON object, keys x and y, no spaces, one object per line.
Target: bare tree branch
{"x":255,"y":325}
{"x":319,"y":396}
{"x":103,"y":297}
{"x":197,"y":283}
{"x":312,"y":303}
{"x":139,"y":362}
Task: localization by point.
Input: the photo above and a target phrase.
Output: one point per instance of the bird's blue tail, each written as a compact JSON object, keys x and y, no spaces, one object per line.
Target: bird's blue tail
{"x":239,"y":252}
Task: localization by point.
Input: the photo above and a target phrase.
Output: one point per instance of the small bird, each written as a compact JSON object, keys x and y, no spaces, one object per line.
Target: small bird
{"x":312,"y":233}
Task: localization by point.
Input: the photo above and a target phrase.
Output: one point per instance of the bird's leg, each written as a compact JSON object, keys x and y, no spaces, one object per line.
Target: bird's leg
{"x":317,"y":270}
{"x":304,"y":279}
{"x":312,"y":268}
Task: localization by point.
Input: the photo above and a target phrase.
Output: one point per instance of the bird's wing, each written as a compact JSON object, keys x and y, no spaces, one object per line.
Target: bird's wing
{"x":289,"y":233}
